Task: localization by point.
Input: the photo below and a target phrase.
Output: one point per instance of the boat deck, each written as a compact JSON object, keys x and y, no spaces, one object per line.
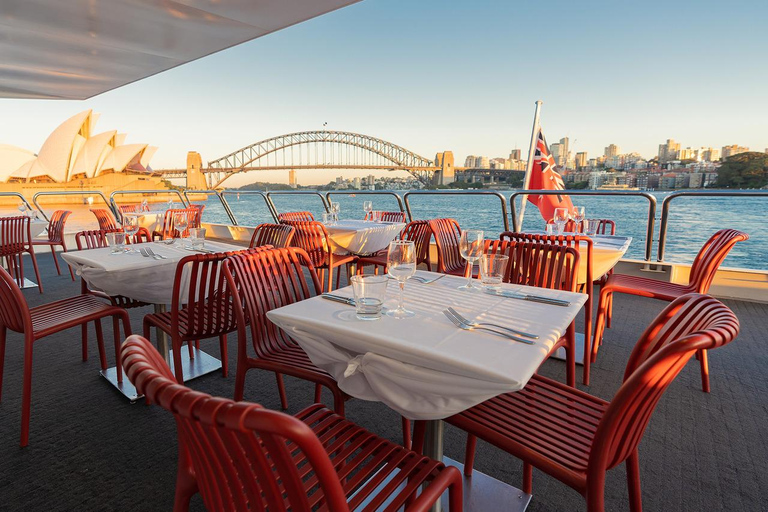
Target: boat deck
{"x":92,"y":450}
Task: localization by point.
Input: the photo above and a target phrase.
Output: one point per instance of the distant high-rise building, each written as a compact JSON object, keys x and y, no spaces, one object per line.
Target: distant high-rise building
{"x":731,"y":150}
{"x":689,"y":154}
{"x":581,"y":160}
{"x":482,"y":162}
{"x":565,"y":142}
{"x":469,"y":162}
{"x":292,"y":178}
{"x":611,"y":150}
{"x":558,"y":153}
{"x":709,"y":155}
{"x":357,"y":183}
{"x":516,"y":154}
{"x":669,"y":151}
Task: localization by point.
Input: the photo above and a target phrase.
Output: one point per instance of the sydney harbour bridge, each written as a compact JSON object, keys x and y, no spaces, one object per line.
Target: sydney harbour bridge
{"x":319,"y":150}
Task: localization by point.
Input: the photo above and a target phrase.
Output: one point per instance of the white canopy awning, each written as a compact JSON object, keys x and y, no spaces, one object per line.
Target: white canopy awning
{"x":75,"y":49}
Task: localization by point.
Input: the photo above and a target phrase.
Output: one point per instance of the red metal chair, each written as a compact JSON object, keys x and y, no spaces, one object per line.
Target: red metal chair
{"x":15,"y":240}
{"x":416,"y":231}
{"x":105,"y":219}
{"x":387,"y":216}
{"x":169,"y":220}
{"x":276,"y":235}
{"x":588,"y":286}
{"x":314,"y":239}
{"x":296,"y":216}
{"x":56,"y":237}
{"x":196,"y":219}
{"x":703,"y":271}
{"x":241,"y":456}
{"x":605,"y":227}
{"x":203,"y":310}
{"x":447,"y":235}
{"x":576,"y":437}
{"x":41,"y":321}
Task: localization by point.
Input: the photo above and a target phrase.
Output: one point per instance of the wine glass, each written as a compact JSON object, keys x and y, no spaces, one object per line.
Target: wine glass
{"x":471,"y":249}
{"x":401,"y":265}
{"x":130,"y":227}
{"x":579,"y":214}
{"x":561,"y":219}
{"x":335,"y":210}
{"x":180,"y":223}
{"x":367,"y":208}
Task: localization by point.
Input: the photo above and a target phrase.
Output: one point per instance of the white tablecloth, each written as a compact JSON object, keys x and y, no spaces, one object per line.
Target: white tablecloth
{"x":425,"y":367}
{"x":133,"y":275}
{"x":362,"y":237}
{"x":153,"y":221}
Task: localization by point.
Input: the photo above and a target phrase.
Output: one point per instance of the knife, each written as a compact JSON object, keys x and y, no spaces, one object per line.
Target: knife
{"x":532,"y":298}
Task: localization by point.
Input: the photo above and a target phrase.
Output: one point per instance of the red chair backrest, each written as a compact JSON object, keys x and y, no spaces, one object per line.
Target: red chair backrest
{"x":264,"y":280}
{"x":96,"y":238}
{"x":128,"y":208}
{"x":313,"y":238}
{"x":14,"y":235}
{"x":56,"y":226}
{"x":447,"y":236}
{"x":244,"y":457}
{"x":169,"y":219}
{"x":276,"y":235}
{"x":418,"y":232}
{"x":387,"y":216}
{"x":296,"y":216}
{"x":574,"y":241}
{"x":538,"y":264}
{"x":604,"y":227}
{"x":710,"y":257}
{"x":197,"y":217}
{"x":690,"y":323}
{"x":14,"y":311}
{"x":105,"y":219}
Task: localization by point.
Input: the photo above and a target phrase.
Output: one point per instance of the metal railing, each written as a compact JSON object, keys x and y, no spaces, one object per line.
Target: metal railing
{"x":70,"y":193}
{"x":297,"y":193}
{"x":119,"y":214}
{"x":265,"y":196}
{"x":368,"y":193}
{"x":502,"y":199}
{"x":218,"y":194}
{"x":18,"y":195}
{"x":698,"y":193}
{"x":631,"y":193}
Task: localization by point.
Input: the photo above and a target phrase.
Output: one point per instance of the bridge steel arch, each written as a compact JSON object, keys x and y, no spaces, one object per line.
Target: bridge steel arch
{"x":400,"y":158}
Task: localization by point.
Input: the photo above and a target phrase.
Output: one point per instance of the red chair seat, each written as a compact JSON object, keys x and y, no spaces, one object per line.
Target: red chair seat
{"x":163,"y":321}
{"x":516,"y":421}
{"x":645,"y":287}
{"x":63,"y":314}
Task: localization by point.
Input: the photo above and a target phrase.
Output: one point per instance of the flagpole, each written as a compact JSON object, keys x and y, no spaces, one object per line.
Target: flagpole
{"x":529,"y":168}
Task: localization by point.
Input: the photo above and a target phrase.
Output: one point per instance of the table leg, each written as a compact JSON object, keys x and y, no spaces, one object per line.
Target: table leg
{"x":162,"y":338}
{"x":433,"y":447}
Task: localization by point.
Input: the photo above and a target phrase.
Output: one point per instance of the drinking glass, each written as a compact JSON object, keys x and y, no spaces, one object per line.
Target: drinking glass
{"x":401,"y":265}
{"x":327,"y":218}
{"x":549,"y":229}
{"x":197,"y":238}
{"x":180,"y":223}
{"x":335,"y":210}
{"x":116,"y":241}
{"x":579,"y":214}
{"x":369,"y":292}
{"x":492,"y":269}
{"x":561,"y":219}
{"x":367,"y":208}
{"x":592,"y":225}
{"x":130,"y":227}
{"x":471,"y":248}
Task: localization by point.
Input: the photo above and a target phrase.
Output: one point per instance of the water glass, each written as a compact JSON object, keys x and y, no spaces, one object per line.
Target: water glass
{"x":327,"y":218}
{"x":561,"y":219}
{"x":180,"y":223}
{"x":492,"y":270}
{"x":367,"y":208}
{"x":471,"y":248}
{"x":130,"y":226}
{"x":197,"y":238}
{"x":116,"y":241}
{"x":335,"y":210}
{"x":401,"y":265}
{"x":592,"y":226}
{"x":369,"y":292}
{"x":579,"y":214}
{"x":550,"y":229}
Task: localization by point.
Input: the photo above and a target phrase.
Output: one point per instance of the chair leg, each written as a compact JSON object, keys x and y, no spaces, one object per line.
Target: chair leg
{"x":3,"y":332}
{"x":704,"y":362}
{"x":602,"y":307}
{"x":610,"y":312}
{"x":191,"y":348}
{"x":338,"y":402}
{"x":64,"y":249}
{"x":26,"y":392}
{"x":570,"y":359}
{"x":186,"y":485}
{"x":330,"y":280}
{"x":242,"y":368}
{"x":527,"y":478}
{"x":100,"y":342}
{"x":224,"y":355}
{"x":406,"y":432}
{"x":419,"y":430}
{"x":55,"y":260}
{"x":177,"y":367}
{"x":633,"y":483}
{"x":118,"y":359}
{"x":281,"y":391}
{"x":588,"y":339}
{"x":469,"y":454}
{"x":37,"y":271}
{"x":84,"y":336}
{"x":318,"y":394}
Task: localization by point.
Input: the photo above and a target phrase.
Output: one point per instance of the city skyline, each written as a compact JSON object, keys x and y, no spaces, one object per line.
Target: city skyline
{"x":428,"y":104}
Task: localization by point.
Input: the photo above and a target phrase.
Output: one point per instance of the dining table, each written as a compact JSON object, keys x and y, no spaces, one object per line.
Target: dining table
{"x":425,"y":367}
{"x":361,"y":237}
{"x":146,"y":279}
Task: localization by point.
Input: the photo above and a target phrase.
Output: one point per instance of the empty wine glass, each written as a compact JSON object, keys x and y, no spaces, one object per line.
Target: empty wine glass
{"x":561,"y":219}
{"x":367,"y":208}
{"x":579,"y":214}
{"x":471,"y":249}
{"x":401,"y":265}
{"x":180,"y":223}
{"x":130,"y":227}
{"x":335,"y":210}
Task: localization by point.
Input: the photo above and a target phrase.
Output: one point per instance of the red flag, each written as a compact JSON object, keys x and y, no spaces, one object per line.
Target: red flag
{"x":544,"y":177}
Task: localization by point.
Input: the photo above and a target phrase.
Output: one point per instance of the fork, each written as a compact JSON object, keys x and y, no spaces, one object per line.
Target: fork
{"x":479,"y":324}
{"x":461,"y":325}
{"x":423,"y":280}
{"x":153,"y":255}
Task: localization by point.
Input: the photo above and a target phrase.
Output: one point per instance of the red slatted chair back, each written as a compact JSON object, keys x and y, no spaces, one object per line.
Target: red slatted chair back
{"x":207,"y":296}
{"x":169,"y":219}
{"x":604,"y":227}
{"x":276,"y":235}
{"x":56,"y":226}
{"x":14,"y":311}
{"x":105,"y":219}
{"x":196,"y":219}
{"x":313,"y":238}
{"x":710,"y":257}
{"x":419,"y":232}
{"x":97,"y":238}
{"x":692,"y":322}
{"x":538,"y":264}
{"x":296,"y":216}
{"x":128,"y":208}
{"x":447,"y":236}
{"x":242,"y":455}
{"x":387,"y":216}
{"x":261,"y":281}
{"x":14,"y":235}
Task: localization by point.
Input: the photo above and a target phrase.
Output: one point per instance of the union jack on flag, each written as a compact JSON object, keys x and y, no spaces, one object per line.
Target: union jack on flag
{"x":544,"y":177}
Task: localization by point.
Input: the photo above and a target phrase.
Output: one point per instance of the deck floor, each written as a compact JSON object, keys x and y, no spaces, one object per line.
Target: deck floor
{"x":92,"y":450}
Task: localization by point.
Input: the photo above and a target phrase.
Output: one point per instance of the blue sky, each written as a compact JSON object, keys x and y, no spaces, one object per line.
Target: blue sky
{"x":463,"y":76}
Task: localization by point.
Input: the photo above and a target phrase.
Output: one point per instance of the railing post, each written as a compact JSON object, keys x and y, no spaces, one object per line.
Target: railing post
{"x":503,"y":200}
